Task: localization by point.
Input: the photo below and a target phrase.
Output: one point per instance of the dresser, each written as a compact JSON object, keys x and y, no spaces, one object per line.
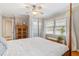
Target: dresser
{"x":21,"y":31}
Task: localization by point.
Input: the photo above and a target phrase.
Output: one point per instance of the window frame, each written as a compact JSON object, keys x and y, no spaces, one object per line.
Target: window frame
{"x":54,"y":25}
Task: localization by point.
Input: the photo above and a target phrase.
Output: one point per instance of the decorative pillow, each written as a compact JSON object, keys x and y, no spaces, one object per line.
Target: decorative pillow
{"x":3,"y":40}
{"x":3,"y":46}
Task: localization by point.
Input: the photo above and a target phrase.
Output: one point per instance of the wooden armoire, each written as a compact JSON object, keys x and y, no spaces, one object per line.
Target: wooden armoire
{"x":21,"y":31}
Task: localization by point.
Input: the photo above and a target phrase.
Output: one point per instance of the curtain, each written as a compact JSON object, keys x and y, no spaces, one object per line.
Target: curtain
{"x":0,"y":26}
{"x":75,"y":29}
{"x":42,"y":29}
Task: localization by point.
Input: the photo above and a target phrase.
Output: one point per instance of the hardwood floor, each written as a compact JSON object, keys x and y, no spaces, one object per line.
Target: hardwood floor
{"x":74,"y":53}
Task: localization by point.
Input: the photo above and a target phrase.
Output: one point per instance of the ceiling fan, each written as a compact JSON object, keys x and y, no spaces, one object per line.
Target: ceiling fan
{"x":35,"y":8}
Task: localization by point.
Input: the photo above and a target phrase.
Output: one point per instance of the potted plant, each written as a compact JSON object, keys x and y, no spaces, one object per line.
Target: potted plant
{"x":61,"y":37}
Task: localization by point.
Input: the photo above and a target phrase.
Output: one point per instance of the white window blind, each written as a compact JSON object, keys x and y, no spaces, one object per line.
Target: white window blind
{"x":54,"y":26}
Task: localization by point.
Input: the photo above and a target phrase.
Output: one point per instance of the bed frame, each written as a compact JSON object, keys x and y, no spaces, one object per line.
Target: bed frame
{"x":68,"y":53}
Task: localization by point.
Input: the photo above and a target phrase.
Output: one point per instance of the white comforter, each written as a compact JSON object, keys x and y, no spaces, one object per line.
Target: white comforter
{"x":34,"y":47}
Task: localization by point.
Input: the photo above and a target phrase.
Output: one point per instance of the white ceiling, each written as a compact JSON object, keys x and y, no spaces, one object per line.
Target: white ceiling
{"x":19,"y":8}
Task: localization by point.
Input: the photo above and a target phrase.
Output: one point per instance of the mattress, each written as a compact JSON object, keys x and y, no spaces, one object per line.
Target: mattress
{"x":34,"y":47}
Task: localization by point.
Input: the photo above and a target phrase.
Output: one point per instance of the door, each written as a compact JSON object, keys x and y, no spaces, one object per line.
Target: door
{"x":7,"y":28}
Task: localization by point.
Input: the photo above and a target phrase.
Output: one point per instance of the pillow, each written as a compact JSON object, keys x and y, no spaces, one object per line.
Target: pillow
{"x":3,"y":46}
{"x":3,"y":40}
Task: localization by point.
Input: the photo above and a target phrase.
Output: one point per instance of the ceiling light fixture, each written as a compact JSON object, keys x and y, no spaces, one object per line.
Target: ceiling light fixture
{"x":35,"y":8}
{"x":34,"y":12}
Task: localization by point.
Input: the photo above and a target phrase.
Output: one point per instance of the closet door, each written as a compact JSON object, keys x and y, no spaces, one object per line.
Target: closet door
{"x":7,"y":26}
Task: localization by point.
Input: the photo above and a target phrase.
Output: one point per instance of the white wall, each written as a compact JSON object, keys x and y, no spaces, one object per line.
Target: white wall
{"x":22,"y":19}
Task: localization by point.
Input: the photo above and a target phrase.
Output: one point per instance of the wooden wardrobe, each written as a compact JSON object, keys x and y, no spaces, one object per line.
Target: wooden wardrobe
{"x":21,"y":31}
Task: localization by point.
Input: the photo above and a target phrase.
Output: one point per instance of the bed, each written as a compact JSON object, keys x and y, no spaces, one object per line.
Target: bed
{"x":35,"y":46}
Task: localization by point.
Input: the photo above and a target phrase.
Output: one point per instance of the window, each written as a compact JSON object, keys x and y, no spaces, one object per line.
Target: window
{"x":49,"y":24}
{"x":60,"y":25}
{"x":55,"y":26}
{"x":36,"y":27}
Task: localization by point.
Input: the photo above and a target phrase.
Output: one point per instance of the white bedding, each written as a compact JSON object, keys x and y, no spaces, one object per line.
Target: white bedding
{"x":34,"y":47}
